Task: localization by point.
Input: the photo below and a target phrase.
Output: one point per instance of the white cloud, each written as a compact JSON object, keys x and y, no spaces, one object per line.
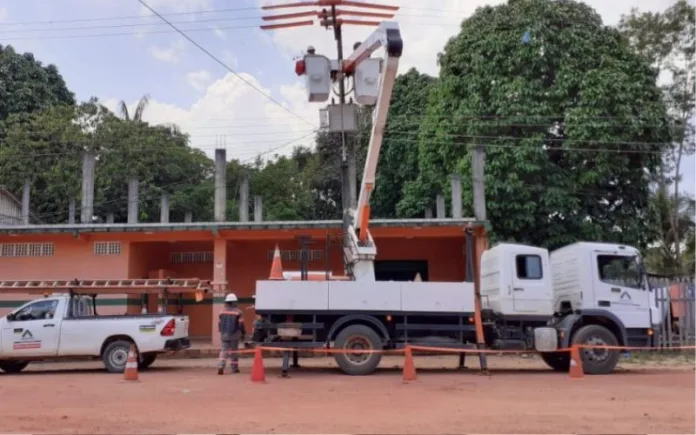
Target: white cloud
{"x":219,"y":33}
{"x":234,"y":115}
{"x":171,"y":54}
{"x":199,"y":79}
{"x":3,"y":14}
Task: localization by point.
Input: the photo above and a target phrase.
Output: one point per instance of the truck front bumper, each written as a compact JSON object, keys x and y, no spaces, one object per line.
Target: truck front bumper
{"x":177,"y":344}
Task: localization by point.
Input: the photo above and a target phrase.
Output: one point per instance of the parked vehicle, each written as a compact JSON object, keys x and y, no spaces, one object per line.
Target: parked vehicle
{"x":584,"y":293}
{"x":66,"y":326}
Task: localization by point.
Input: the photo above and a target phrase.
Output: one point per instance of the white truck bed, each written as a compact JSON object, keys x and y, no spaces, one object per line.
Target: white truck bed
{"x":376,"y":296}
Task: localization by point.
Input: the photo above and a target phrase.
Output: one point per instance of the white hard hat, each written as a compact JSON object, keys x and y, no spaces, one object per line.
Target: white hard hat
{"x":231,"y":297}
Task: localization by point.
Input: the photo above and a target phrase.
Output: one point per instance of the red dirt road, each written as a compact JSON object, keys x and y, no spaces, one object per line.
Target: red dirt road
{"x":178,"y":396}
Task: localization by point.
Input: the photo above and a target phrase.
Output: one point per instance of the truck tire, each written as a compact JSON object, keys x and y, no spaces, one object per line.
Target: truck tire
{"x":146,"y":360}
{"x":558,"y":361}
{"x":115,"y":356}
{"x":597,"y":361}
{"x":13,"y":366}
{"x":358,"y":337}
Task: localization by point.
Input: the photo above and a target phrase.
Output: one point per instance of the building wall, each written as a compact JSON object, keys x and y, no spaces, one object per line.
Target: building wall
{"x":247,"y":262}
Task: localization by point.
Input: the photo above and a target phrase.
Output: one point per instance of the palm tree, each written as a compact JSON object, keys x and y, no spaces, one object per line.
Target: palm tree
{"x":139,"y":109}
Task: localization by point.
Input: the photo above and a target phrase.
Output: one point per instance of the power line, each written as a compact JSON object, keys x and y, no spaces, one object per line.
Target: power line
{"x":223,"y":64}
{"x":212,"y":20}
{"x":171,"y":14}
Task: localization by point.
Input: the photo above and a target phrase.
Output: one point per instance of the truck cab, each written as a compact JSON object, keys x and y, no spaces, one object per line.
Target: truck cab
{"x":520,"y":280}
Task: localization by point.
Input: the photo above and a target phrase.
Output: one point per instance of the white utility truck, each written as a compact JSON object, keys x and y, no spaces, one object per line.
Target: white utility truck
{"x":66,"y":326}
{"x":585,"y":293}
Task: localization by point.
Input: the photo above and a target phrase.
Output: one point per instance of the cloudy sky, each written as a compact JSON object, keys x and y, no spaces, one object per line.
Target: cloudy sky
{"x":116,"y":50}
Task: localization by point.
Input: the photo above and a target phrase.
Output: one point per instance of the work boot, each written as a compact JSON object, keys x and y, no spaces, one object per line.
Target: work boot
{"x":235,"y":370}
{"x":220,"y":370}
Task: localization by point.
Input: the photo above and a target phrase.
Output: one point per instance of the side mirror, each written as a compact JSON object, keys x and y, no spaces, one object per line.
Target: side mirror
{"x":10,"y":317}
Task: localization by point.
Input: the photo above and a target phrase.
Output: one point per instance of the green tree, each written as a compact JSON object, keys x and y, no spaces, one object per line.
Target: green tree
{"x":568,"y":114}
{"x":27,"y":86}
{"x":46,"y":147}
{"x":667,"y":41}
{"x":398,"y":162}
{"x":139,"y":109}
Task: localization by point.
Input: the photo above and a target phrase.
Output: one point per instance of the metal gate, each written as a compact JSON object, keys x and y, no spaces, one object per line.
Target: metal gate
{"x":674,"y":297}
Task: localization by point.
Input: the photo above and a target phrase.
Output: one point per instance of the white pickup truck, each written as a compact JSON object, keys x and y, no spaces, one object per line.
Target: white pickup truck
{"x":66,"y":326}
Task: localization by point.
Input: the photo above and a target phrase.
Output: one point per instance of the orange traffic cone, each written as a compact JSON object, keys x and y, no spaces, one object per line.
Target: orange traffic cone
{"x":409,"y":373}
{"x":576,"y":370}
{"x":276,"y":266}
{"x":258,"y":374}
{"x":131,"y":372}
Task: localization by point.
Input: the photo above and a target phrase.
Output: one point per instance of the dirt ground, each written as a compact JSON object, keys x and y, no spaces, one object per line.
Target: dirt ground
{"x":187,"y":396}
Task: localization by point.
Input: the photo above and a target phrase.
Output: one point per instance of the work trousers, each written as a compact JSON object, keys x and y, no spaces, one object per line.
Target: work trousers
{"x":228,"y":349}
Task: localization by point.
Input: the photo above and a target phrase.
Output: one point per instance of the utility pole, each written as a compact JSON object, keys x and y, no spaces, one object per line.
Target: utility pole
{"x":330,"y":16}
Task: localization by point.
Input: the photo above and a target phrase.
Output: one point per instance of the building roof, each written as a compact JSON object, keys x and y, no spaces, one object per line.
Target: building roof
{"x":227,"y":226}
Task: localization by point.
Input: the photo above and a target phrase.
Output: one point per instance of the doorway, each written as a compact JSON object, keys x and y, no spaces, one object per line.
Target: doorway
{"x":400,"y":270}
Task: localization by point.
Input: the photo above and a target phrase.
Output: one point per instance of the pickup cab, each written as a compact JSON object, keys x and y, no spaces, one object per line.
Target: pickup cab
{"x":67,"y":326}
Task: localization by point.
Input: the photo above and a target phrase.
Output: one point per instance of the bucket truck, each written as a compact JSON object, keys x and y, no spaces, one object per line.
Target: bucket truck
{"x":524,"y":297}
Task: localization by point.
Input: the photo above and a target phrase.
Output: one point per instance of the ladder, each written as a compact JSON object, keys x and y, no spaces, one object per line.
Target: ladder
{"x":181,"y":285}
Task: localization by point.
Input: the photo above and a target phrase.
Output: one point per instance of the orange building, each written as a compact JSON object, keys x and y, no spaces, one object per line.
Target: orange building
{"x":232,"y":254}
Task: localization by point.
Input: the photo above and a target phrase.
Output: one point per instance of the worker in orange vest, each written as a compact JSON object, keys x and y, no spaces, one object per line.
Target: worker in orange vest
{"x":231,"y":328}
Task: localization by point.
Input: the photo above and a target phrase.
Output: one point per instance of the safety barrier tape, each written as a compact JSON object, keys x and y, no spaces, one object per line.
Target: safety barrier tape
{"x":452,"y":349}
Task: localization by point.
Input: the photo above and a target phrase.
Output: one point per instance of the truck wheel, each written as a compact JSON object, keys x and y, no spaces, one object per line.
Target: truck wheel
{"x":13,"y":366}
{"x":146,"y":360}
{"x":597,"y":361}
{"x":358,"y":337}
{"x":559,"y":361}
{"x":115,"y":356}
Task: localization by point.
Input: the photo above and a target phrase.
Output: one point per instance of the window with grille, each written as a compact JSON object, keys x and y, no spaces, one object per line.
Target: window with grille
{"x":107,"y":248}
{"x":296,"y":255}
{"x":27,"y":249}
{"x":191,"y":257}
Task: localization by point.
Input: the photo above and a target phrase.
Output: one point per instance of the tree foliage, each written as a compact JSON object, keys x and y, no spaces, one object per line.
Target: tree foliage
{"x":667,"y":40}
{"x":566,"y":111}
{"x":27,"y":86}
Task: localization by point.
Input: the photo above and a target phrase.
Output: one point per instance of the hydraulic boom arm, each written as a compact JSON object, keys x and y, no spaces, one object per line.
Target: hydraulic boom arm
{"x":362,"y":251}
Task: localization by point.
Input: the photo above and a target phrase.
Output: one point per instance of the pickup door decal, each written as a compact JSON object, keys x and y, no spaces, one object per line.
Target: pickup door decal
{"x":26,"y":341}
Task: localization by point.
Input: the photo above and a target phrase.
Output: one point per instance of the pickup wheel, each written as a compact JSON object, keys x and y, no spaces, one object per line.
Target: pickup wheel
{"x":146,"y":360}
{"x":559,"y":361}
{"x":115,"y":356}
{"x":597,"y":361}
{"x":356,"y":338}
{"x":13,"y":366}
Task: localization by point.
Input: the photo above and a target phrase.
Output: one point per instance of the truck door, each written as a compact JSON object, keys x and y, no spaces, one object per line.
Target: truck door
{"x":619,"y":287}
{"x":529,"y":289}
{"x":33,"y":330}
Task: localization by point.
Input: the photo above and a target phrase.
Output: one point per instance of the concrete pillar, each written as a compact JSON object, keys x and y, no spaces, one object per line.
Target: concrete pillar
{"x":188,"y":217}
{"x":219,"y":284}
{"x":133,"y":200}
{"x":110,"y":218}
{"x":26,"y":192}
{"x":440,"y":206}
{"x":429,"y":213}
{"x":88,"y":164}
{"x":244,"y":200}
{"x":258,"y":208}
{"x":456,"y":197}
{"x":71,"y":212}
{"x":164,"y":209}
{"x":220,"y":185}
{"x":478,"y":172}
